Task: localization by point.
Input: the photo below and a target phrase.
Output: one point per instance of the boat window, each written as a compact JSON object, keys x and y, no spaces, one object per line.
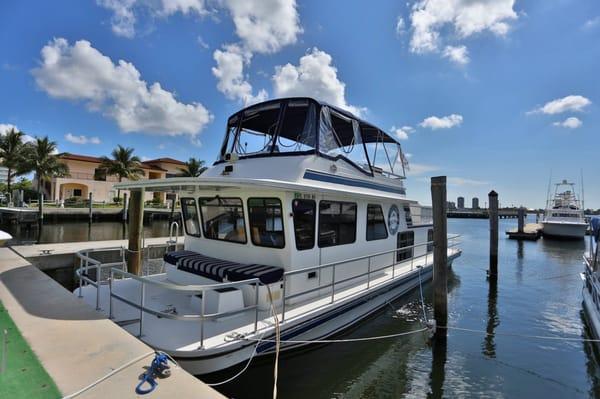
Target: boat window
{"x":405,"y":239}
{"x":337,"y":223}
{"x":430,"y":240}
{"x":407,"y":215}
{"x":339,"y":136}
{"x":257,"y":130}
{"x":376,"y":229}
{"x":298,"y":128}
{"x":304,"y":223}
{"x":266,"y":222}
{"x":223,"y":219}
{"x":384,"y":153}
{"x":191,"y":222}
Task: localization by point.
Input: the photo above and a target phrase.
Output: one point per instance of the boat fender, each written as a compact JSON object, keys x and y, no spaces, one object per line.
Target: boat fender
{"x":431,"y":326}
{"x":158,"y":368}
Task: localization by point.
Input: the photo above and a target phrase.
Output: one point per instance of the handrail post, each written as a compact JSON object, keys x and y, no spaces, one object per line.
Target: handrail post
{"x":368,"y":272}
{"x":98,"y":272}
{"x":394,"y":254}
{"x":333,"y":284}
{"x":283,"y":300}
{"x":110,"y":299}
{"x":255,"y":306}
{"x":80,"y":278}
{"x":142,"y":295}
{"x":202,"y":318}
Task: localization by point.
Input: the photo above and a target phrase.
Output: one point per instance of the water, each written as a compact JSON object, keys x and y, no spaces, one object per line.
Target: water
{"x":73,"y":231}
{"x":538,"y":293}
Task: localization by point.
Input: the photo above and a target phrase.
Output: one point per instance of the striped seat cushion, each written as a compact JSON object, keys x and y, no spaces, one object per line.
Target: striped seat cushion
{"x":219,"y":269}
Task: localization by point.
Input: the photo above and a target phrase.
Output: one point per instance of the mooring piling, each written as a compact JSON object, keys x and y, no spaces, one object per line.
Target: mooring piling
{"x":90,"y":206}
{"x":136,"y":227}
{"x":521,"y":221}
{"x":440,"y":253}
{"x":124,"y":215}
{"x":41,"y":207}
{"x":493,"y":211}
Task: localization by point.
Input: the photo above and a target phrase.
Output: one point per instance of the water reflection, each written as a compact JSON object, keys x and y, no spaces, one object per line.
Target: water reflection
{"x":438,"y":366}
{"x":489,"y":346}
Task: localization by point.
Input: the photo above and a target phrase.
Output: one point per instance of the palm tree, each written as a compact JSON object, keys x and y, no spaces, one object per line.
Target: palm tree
{"x":12,"y":155}
{"x":123,"y":164}
{"x":44,"y":160}
{"x":193,"y":168}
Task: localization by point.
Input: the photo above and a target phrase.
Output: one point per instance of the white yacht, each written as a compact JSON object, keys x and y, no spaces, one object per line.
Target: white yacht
{"x":564,"y":216}
{"x":4,"y":237}
{"x":301,"y":227}
{"x":591,"y":278}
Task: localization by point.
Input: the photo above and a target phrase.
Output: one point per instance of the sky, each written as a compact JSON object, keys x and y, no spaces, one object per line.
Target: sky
{"x":494,"y":94}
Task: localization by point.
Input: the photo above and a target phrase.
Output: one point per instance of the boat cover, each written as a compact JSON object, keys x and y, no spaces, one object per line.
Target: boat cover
{"x":219,"y":269}
{"x":595,"y":223}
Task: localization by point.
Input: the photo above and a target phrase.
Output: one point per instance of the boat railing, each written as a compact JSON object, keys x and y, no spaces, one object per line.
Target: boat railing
{"x":453,"y":241}
{"x":118,"y":271}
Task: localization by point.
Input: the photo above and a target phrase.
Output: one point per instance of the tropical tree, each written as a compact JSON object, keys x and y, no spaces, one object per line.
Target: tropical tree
{"x":193,"y":168}
{"x":123,"y":164}
{"x":12,"y":155}
{"x":44,"y":160}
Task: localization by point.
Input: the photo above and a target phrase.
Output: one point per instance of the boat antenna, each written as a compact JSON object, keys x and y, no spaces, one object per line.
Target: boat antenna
{"x":582,"y":206}
{"x":548,"y":193}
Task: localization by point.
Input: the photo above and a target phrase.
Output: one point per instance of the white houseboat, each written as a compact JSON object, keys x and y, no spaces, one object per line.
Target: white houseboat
{"x":564,"y":216}
{"x":591,"y":278}
{"x":301,"y":226}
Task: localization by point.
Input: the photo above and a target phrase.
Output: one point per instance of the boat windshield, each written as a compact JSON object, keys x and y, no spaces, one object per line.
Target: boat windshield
{"x":303,"y":126}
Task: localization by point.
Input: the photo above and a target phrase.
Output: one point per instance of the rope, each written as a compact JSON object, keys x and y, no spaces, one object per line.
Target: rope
{"x":334,"y":341}
{"x":578,"y":339}
{"x":115,"y":371}
{"x":421,"y":292}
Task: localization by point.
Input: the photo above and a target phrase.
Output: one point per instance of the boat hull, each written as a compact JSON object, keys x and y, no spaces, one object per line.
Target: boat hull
{"x":322,"y":326}
{"x":564,"y":229}
{"x":592,"y":314}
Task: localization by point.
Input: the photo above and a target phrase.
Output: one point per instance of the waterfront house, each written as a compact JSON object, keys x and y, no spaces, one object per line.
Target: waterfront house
{"x":86,"y":175}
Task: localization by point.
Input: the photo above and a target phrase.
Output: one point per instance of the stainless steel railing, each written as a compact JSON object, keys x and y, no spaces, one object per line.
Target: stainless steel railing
{"x":87,"y":262}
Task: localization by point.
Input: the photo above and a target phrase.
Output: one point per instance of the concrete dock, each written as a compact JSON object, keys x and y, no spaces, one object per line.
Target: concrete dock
{"x":75,"y":344}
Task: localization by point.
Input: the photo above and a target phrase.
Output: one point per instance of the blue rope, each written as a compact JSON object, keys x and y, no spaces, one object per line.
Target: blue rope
{"x":158,"y":367}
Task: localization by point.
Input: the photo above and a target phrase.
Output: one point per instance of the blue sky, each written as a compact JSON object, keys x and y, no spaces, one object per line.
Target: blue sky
{"x":493,"y":94}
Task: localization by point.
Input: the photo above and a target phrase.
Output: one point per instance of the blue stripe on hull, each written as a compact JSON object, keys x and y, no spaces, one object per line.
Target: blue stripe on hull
{"x":347,"y":181}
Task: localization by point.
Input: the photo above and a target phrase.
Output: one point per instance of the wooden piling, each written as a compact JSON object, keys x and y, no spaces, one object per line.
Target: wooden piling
{"x":125,"y":207}
{"x":493,"y":210}
{"x":440,"y":253}
{"x":136,"y":228}
{"x":521,"y":216}
{"x":90,"y":205}
{"x":40,"y":207}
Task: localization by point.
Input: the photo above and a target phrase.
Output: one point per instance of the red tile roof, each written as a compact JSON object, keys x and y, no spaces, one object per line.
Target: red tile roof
{"x":165,"y":160}
{"x":87,"y":158}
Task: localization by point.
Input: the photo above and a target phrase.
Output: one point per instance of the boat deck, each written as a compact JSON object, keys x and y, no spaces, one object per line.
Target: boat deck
{"x":179,"y":336}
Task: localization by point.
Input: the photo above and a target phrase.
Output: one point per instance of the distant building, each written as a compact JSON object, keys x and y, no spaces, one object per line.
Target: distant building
{"x":475,"y":203}
{"x":451,"y":205}
{"x":3,"y":174}
{"x":86,"y":175}
{"x":460,"y":202}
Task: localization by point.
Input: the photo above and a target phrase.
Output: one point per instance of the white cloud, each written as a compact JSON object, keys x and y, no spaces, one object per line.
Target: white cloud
{"x":431,"y":18}
{"x":591,"y":23}
{"x":402,"y":132}
{"x":457,"y":54}
{"x":570,"y":103}
{"x":265,"y":26}
{"x":400,"y":26}
{"x":460,"y":181}
{"x":230,"y":74}
{"x":124,"y":11}
{"x":571,"y":123}
{"x":5,"y":127}
{"x":81,"y":139}
{"x":202,"y":43}
{"x":314,"y":76}
{"x":417,"y":169}
{"x":80,"y":72}
{"x":445,"y":122}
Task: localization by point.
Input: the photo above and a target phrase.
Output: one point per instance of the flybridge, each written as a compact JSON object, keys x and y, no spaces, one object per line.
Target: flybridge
{"x":303,"y":126}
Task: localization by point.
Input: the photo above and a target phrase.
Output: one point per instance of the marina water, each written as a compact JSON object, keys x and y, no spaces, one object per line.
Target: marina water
{"x":538,"y":293}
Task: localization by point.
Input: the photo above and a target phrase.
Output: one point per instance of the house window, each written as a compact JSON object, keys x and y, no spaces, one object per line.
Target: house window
{"x":76,"y":192}
{"x":190,"y":217}
{"x":223,"y":219}
{"x":304,"y":223}
{"x":266,"y":222}
{"x":100,"y":174}
{"x":337,"y":223}
{"x":430,"y":240}
{"x":376,"y":229}
{"x":404,"y":240}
